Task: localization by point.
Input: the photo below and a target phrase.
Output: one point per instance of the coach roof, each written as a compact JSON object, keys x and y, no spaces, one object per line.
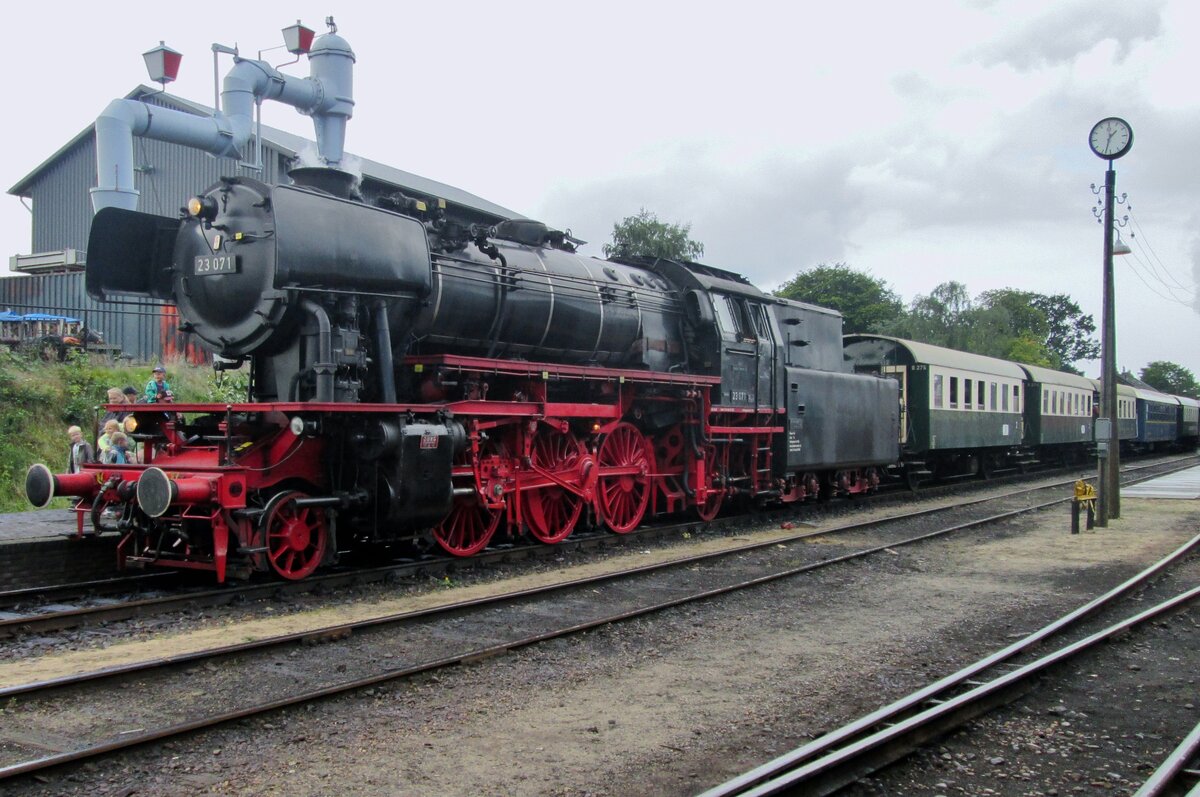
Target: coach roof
{"x":948,"y":358}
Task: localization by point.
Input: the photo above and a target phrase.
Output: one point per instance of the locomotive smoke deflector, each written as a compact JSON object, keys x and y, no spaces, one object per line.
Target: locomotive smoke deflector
{"x":327,"y":95}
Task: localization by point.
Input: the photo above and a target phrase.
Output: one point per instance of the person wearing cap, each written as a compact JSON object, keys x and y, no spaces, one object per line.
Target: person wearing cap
{"x":157,"y":389}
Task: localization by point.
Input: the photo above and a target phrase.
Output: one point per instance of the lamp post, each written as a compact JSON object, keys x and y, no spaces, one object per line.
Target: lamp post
{"x":1110,"y":139}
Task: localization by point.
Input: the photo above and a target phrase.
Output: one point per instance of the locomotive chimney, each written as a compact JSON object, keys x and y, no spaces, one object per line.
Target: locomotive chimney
{"x":331,"y":181}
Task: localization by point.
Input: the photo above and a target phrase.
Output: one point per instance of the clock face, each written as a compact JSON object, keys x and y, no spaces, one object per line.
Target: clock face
{"x":1111,"y":138}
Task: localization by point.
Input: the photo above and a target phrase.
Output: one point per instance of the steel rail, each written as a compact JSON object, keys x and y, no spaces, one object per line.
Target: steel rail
{"x":100,"y":586}
{"x":1172,"y":774}
{"x":836,"y":752}
{"x":132,"y":740}
{"x":71,"y":618}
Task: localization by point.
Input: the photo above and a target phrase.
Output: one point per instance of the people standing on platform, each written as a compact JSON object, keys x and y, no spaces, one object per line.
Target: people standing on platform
{"x":158,"y":390}
{"x":81,"y":450}
{"x":115,"y":396}
{"x":118,"y":453}
{"x":111,"y":427}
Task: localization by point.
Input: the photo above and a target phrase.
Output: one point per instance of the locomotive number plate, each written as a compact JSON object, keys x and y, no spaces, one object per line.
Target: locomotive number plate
{"x":429,"y":441}
{"x":217,"y":264}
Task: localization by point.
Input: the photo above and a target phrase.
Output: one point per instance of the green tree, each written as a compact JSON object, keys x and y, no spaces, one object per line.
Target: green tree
{"x":940,"y":318}
{"x":1071,"y":330}
{"x":1029,"y":351}
{"x":1171,"y":378}
{"x":644,"y":235}
{"x":867,"y":304}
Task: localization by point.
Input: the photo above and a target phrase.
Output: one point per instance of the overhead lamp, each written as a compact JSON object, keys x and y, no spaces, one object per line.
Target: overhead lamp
{"x":298,"y":39}
{"x":1120,"y":247}
{"x":162,"y":63}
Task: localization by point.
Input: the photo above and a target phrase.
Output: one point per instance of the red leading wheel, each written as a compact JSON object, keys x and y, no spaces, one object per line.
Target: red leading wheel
{"x":551,"y":510}
{"x":296,"y":536}
{"x":471,"y":524}
{"x":716,"y":496}
{"x":623,"y":491}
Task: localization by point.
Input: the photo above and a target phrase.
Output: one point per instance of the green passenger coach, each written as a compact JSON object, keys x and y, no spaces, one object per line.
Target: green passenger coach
{"x":1060,"y":411}
{"x":960,"y":412}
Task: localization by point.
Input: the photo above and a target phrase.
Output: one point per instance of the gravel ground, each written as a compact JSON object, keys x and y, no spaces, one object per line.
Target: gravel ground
{"x":672,"y":704}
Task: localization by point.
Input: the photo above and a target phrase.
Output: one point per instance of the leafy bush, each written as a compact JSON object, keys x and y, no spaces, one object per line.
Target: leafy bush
{"x":39,"y":400}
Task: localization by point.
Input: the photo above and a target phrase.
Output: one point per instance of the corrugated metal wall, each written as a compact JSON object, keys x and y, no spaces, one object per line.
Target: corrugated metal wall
{"x":144,"y":330}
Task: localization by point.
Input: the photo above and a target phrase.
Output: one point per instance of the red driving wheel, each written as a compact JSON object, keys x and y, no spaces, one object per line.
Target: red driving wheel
{"x":623,"y":491}
{"x":471,"y":524}
{"x":712,"y":503}
{"x":296,"y":536}
{"x":551,"y":510}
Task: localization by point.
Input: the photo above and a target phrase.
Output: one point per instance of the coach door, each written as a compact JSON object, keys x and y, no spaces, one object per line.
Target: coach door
{"x":900,"y":374}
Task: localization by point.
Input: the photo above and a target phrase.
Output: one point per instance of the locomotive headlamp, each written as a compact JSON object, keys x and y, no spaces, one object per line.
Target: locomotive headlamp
{"x":301,"y":427}
{"x":202,"y":207}
{"x":130,"y":424}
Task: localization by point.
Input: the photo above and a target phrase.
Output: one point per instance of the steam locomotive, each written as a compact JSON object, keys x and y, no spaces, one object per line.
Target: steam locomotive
{"x":416,"y":376}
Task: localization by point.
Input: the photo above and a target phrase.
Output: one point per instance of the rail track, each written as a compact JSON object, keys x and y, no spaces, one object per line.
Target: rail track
{"x":872,"y":742}
{"x":1179,"y":774}
{"x":41,"y":610}
{"x":445,"y":636}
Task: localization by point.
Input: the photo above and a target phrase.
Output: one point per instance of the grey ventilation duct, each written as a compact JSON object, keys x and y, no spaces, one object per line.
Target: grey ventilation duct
{"x":327,"y":95}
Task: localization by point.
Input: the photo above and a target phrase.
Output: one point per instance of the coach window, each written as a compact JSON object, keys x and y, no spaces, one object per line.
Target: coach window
{"x":937,"y":391}
{"x":1016,"y":398}
{"x":1045,"y":401}
{"x":1004,"y":397}
{"x":992,"y":404}
{"x":966,"y":394}
{"x":979,"y":388}
{"x":954,"y":392}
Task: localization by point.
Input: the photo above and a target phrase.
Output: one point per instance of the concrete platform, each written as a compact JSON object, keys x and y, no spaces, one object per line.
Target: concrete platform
{"x":37,"y":524}
{"x":1181,"y":486}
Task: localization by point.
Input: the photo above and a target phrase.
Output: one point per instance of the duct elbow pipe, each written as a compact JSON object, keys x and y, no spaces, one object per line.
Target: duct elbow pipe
{"x":124,"y":119}
{"x":324,"y":367}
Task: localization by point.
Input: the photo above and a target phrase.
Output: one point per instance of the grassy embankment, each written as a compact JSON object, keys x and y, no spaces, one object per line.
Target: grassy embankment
{"x":39,"y":400}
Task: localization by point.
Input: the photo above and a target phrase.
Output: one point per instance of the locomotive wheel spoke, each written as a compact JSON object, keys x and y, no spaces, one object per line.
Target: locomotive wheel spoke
{"x":623,"y":492}
{"x":470,"y":525}
{"x":296,"y":537}
{"x":552,"y":511}
{"x":468,"y":528}
{"x":712,"y":504}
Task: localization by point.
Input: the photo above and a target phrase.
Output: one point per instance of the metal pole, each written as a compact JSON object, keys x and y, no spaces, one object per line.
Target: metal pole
{"x":1109,"y":504}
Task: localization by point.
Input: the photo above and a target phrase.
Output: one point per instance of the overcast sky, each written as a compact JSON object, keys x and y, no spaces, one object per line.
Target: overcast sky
{"x":920,"y":142}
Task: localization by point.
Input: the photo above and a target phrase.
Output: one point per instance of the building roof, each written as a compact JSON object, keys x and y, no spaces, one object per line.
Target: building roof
{"x":292,"y":145}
